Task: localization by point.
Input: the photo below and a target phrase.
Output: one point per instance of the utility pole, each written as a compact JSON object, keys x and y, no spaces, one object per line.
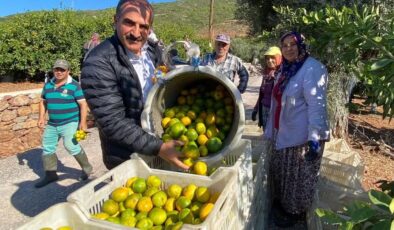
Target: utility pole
{"x":211,"y":24}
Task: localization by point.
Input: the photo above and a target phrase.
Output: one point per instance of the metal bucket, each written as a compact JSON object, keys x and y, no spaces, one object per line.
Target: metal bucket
{"x":164,"y":95}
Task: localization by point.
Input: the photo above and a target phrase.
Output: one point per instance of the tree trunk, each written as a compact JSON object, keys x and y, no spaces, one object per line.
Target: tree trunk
{"x":338,"y":97}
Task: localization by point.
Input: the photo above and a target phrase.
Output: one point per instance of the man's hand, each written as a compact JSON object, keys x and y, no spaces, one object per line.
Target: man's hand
{"x":313,"y":152}
{"x":170,"y":154}
{"x":254,"y":114}
{"x":41,"y":123}
{"x":83,"y":126}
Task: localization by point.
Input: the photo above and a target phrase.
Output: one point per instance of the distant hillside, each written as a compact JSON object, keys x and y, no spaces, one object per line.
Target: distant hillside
{"x":196,"y":14}
{"x":192,"y":14}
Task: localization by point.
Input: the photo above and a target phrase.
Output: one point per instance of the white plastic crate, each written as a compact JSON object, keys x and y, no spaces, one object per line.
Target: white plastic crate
{"x":238,"y":158}
{"x":91,"y":197}
{"x":341,"y":165}
{"x":334,"y":197}
{"x":256,"y":139}
{"x":62,"y":214}
{"x":259,"y":211}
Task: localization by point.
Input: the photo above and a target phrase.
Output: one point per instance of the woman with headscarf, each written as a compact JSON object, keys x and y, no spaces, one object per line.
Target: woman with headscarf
{"x":272,"y":61}
{"x":298,"y":128}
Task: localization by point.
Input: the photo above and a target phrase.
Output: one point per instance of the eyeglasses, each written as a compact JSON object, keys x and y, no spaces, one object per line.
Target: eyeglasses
{"x":59,"y":70}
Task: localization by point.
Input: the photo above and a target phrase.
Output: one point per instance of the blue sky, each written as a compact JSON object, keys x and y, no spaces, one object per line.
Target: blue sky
{"x":8,"y":7}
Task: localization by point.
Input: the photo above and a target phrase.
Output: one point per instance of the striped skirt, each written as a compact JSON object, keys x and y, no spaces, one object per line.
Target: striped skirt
{"x":294,"y":179}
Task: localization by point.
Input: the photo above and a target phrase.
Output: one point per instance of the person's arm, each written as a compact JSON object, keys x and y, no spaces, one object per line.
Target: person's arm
{"x":83,"y":110}
{"x":105,"y":100}
{"x":315,"y":94}
{"x":83,"y":107}
{"x":243,"y":77}
{"x":103,"y":95}
{"x":41,"y":113}
{"x":258,"y":102}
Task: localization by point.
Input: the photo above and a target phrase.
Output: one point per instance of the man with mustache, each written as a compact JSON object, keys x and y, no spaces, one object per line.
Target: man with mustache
{"x":116,"y":78}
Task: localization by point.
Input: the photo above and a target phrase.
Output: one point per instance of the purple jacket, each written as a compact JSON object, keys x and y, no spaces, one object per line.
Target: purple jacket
{"x":266,"y":87}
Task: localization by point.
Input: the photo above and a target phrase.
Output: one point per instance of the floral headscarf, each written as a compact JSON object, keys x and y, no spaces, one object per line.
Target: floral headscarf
{"x":289,"y":69}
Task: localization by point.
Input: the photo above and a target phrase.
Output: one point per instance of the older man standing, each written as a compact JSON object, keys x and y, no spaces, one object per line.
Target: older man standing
{"x":116,"y":78}
{"x":226,"y":63}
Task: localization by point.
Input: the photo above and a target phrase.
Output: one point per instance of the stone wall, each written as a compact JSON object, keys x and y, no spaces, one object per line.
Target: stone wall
{"x":18,"y":123}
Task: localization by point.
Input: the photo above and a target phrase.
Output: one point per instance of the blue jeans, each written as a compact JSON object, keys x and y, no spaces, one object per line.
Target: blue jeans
{"x":52,"y":135}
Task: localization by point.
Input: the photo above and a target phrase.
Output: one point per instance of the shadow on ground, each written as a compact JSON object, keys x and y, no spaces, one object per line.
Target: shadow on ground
{"x":31,"y":201}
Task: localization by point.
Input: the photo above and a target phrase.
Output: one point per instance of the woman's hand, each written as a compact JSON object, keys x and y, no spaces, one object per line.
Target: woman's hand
{"x":254,"y":115}
{"x":314,"y":150}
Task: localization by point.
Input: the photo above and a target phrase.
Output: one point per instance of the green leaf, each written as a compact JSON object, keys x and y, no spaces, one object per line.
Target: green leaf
{"x":380,"y":64}
{"x":329,"y":216}
{"x":379,"y":198}
{"x":360,"y":211}
{"x":383,"y":225}
{"x":377,"y":39}
{"x":348,"y":225}
{"x":392,"y":206}
{"x":305,"y":20}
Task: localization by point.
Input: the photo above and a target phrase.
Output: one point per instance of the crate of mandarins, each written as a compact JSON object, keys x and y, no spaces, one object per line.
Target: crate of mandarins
{"x":62,"y":216}
{"x":238,"y":158}
{"x":198,"y":106}
{"x":134,"y":195}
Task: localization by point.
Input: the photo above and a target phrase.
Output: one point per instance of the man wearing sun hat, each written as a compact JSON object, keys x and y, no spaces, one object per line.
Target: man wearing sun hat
{"x":63,"y":98}
{"x":226,"y":63}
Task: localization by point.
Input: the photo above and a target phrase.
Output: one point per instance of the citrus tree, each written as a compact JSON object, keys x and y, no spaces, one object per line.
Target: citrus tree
{"x":355,"y":41}
{"x":31,"y":42}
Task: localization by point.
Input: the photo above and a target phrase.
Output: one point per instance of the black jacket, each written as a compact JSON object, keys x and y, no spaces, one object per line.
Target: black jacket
{"x":113,"y":93}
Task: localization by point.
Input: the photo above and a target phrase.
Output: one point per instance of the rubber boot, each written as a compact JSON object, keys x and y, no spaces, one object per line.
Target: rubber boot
{"x":50,"y":165}
{"x":83,"y":161}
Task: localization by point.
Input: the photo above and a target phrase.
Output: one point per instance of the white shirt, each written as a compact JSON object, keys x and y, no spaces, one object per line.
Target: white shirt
{"x":145,"y":69}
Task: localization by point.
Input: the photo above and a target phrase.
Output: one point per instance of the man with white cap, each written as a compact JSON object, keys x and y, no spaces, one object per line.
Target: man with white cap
{"x":226,"y":63}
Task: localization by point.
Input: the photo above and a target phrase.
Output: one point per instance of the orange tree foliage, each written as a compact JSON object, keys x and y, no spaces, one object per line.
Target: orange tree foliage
{"x":31,"y":42}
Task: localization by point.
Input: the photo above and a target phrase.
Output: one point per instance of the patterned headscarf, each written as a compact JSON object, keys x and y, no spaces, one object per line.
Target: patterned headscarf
{"x":289,"y":69}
